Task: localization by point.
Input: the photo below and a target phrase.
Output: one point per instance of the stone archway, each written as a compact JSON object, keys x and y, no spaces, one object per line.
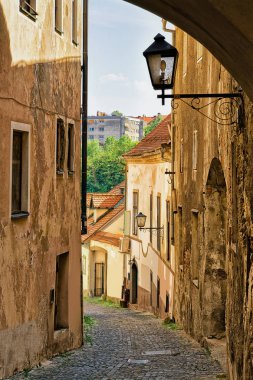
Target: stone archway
{"x":215,"y":276}
{"x":230,"y":39}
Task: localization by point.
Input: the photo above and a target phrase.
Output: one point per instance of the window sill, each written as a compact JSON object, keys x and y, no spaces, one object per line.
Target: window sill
{"x":75,"y":43}
{"x":19,"y":215}
{"x":196,"y":283}
{"x":71,"y":173}
{"x":58,"y":31}
{"x":31,"y":16}
{"x":60,"y":172}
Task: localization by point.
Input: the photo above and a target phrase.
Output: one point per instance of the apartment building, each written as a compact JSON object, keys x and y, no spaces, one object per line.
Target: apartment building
{"x":102,"y":126}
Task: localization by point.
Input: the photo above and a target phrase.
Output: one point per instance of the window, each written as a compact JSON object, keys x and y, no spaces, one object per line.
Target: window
{"x":150,"y":216}
{"x":199,"y":49}
{"x":168,"y":229}
{"x":28,"y":7}
{"x":74,"y":22}
{"x":180,"y":235}
{"x":60,"y":147}
{"x":195,"y":246}
{"x":20,"y":170}
{"x":185,"y":53}
{"x":91,"y":129}
{"x":61,"y":292}
{"x":71,"y":148}
{"x":58,"y":16}
{"x":101,"y":137}
{"x":101,"y":129}
{"x":181,"y":156}
{"x":135,"y":212}
{"x":158,"y":209}
{"x":91,"y":137}
{"x":195,"y":150}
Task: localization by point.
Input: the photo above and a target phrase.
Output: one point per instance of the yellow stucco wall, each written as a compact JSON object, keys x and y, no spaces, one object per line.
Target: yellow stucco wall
{"x":40,"y":80}
{"x":147,"y":175}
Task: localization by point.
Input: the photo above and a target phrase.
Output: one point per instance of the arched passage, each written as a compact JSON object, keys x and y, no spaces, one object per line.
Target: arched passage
{"x":215,"y":277}
{"x":229,"y":39}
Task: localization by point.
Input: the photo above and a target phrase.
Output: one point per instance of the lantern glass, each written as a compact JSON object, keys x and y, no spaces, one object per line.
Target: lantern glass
{"x":161,"y":70}
{"x":141,"y":219}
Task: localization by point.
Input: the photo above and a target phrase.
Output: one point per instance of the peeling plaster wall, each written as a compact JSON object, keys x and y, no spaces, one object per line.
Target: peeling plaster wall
{"x":224,"y":221}
{"x":40,"y":79}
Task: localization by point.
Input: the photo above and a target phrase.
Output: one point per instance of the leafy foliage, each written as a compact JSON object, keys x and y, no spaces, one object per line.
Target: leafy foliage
{"x":105,"y":165}
{"x":152,"y":125}
{"x":116,"y":113}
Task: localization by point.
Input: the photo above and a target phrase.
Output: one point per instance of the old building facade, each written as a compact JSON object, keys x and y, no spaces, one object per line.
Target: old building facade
{"x":40,"y":312}
{"x":151,"y":267}
{"x":104,"y":250}
{"x":213,"y":213}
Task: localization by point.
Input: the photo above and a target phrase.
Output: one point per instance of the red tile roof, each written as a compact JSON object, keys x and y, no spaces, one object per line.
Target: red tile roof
{"x":153,"y":141}
{"x":117,"y":189}
{"x":107,"y":237}
{"x":103,"y":200}
{"x":101,"y":222}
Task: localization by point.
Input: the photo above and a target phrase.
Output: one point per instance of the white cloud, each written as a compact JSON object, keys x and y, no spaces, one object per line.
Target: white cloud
{"x":113,"y":78}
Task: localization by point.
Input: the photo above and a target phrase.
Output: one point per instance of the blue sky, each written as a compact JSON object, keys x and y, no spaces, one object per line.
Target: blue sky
{"x":119,"y":32}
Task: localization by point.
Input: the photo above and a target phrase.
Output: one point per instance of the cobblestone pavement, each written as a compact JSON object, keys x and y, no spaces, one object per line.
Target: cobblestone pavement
{"x":129,"y":345}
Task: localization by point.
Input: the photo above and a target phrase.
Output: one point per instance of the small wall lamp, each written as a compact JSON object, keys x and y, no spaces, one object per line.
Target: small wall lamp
{"x":141,"y":221}
{"x":170,"y":174}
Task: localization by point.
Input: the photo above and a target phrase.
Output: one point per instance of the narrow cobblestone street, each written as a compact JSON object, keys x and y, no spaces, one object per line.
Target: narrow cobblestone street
{"x":127,"y":344}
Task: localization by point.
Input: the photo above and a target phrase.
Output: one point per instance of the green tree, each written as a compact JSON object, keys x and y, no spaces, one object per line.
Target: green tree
{"x":116,"y":113}
{"x":152,"y":125}
{"x":105,"y":165}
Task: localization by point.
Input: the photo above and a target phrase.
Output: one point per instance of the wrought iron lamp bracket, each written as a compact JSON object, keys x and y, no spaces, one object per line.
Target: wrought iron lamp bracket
{"x":156,"y":231}
{"x":225,"y":107}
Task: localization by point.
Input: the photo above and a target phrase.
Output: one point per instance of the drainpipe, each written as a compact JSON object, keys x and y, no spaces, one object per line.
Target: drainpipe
{"x":84,"y":112}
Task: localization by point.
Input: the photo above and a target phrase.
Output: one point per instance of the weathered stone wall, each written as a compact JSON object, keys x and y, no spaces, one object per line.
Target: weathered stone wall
{"x":216,"y":298}
{"x":37,"y":86}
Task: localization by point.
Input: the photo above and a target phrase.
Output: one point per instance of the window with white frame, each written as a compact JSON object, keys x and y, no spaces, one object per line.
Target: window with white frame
{"x":28,"y":7}
{"x":20,"y":155}
{"x":58,"y":16}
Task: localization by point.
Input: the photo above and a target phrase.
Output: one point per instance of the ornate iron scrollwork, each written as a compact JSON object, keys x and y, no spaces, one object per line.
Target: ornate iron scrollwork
{"x":226,"y":109}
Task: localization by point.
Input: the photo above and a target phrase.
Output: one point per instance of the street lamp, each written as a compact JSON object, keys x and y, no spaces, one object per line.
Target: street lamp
{"x":162,"y":63}
{"x":141,"y":221}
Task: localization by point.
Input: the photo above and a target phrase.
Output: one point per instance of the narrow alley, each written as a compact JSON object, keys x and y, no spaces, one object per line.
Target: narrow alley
{"x":128,"y":344}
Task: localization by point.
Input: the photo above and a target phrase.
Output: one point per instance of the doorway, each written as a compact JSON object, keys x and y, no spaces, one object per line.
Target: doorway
{"x":134,"y":283}
{"x":99,"y":279}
